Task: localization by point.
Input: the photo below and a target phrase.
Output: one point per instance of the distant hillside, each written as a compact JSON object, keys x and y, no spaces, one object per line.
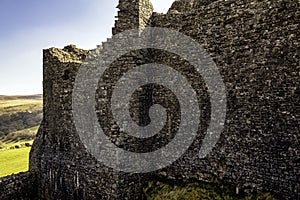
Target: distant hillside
{"x":20,"y":117}
{"x":19,"y":113}
{"x":16,"y":97}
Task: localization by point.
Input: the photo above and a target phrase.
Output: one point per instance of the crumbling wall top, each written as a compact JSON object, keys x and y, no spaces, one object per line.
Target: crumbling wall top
{"x":69,"y":53}
{"x":181,"y":6}
{"x":132,"y":14}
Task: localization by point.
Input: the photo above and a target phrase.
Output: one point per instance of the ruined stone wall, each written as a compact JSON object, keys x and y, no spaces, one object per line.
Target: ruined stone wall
{"x":254,"y":45}
{"x":65,"y":170}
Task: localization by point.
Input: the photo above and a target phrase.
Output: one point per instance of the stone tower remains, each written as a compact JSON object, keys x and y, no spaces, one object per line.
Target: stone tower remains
{"x":139,"y":11}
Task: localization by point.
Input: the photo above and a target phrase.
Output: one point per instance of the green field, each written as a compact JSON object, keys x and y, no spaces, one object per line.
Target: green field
{"x":14,"y":161}
{"x":20,"y":117}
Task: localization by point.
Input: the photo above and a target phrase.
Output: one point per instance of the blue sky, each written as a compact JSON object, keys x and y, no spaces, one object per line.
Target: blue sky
{"x":28,"y":26}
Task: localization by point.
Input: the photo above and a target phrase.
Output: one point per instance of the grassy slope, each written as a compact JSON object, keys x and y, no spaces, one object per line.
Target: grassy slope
{"x":18,"y":137}
{"x":16,"y":160}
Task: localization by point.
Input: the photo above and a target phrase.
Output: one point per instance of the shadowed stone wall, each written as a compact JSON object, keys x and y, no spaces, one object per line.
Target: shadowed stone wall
{"x":20,"y":186}
{"x":255,"y":47}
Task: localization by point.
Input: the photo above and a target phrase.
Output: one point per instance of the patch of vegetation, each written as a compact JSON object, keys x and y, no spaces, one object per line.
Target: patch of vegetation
{"x":21,"y":136}
{"x":14,"y":161}
{"x":194,"y":190}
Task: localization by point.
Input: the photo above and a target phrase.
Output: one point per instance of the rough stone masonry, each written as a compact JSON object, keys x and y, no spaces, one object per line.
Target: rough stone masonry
{"x":255,"y":45}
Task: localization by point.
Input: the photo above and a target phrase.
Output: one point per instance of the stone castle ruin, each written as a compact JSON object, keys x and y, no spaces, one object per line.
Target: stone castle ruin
{"x":255,"y":46}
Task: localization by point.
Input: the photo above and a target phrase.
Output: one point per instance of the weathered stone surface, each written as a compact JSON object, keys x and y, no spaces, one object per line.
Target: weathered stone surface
{"x":20,"y":186}
{"x":139,"y":12}
{"x":181,"y":6}
{"x":255,"y":45}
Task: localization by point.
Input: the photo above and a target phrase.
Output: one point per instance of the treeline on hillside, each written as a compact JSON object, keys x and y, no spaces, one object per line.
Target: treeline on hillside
{"x":35,"y":96}
{"x":18,"y":121}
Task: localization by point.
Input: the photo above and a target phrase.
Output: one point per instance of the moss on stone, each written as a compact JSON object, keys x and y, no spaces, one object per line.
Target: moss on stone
{"x":193,"y":190}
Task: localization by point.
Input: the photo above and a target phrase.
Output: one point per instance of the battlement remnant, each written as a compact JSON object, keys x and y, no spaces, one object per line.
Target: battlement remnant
{"x":132,"y":14}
